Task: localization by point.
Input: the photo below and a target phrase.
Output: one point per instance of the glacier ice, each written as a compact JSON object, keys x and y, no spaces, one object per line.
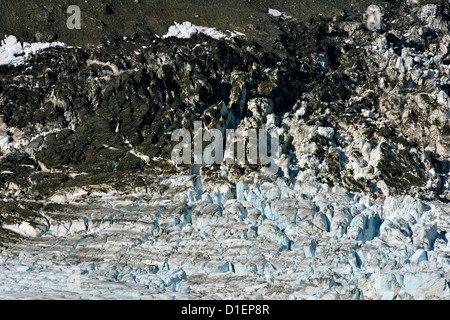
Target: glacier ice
{"x":290,"y":237}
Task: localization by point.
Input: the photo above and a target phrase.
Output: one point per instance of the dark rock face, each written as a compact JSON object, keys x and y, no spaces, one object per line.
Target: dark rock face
{"x":46,"y":19}
{"x":380,"y":96}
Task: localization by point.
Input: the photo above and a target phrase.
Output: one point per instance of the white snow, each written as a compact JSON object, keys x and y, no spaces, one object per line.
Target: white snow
{"x":24,"y":229}
{"x":4,"y":143}
{"x":236,"y":33}
{"x":141,"y":156}
{"x":14,"y":53}
{"x":187,"y":30}
{"x":275,"y":13}
{"x":374,"y":17}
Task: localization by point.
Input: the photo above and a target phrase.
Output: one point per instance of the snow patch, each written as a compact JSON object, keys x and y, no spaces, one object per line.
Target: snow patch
{"x":374,"y":17}
{"x":275,"y":13}
{"x":24,"y":229}
{"x":6,"y":143}
{"x":187,"y":30}
{"x":14,"y":53}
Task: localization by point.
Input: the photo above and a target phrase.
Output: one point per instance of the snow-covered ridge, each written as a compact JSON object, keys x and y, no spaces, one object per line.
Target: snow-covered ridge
{"x":187,"y":30}
{"x":14,"y":53}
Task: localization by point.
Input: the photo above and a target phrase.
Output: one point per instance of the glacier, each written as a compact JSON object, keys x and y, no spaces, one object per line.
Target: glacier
{"x":259,"y":240}
{"x":91,"y":206}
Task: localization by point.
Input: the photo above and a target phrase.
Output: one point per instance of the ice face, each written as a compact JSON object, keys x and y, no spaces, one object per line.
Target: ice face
{"x":374,"y":15}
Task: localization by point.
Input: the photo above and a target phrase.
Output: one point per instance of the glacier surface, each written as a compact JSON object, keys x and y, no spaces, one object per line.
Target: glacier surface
{"x":261,"y":240}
